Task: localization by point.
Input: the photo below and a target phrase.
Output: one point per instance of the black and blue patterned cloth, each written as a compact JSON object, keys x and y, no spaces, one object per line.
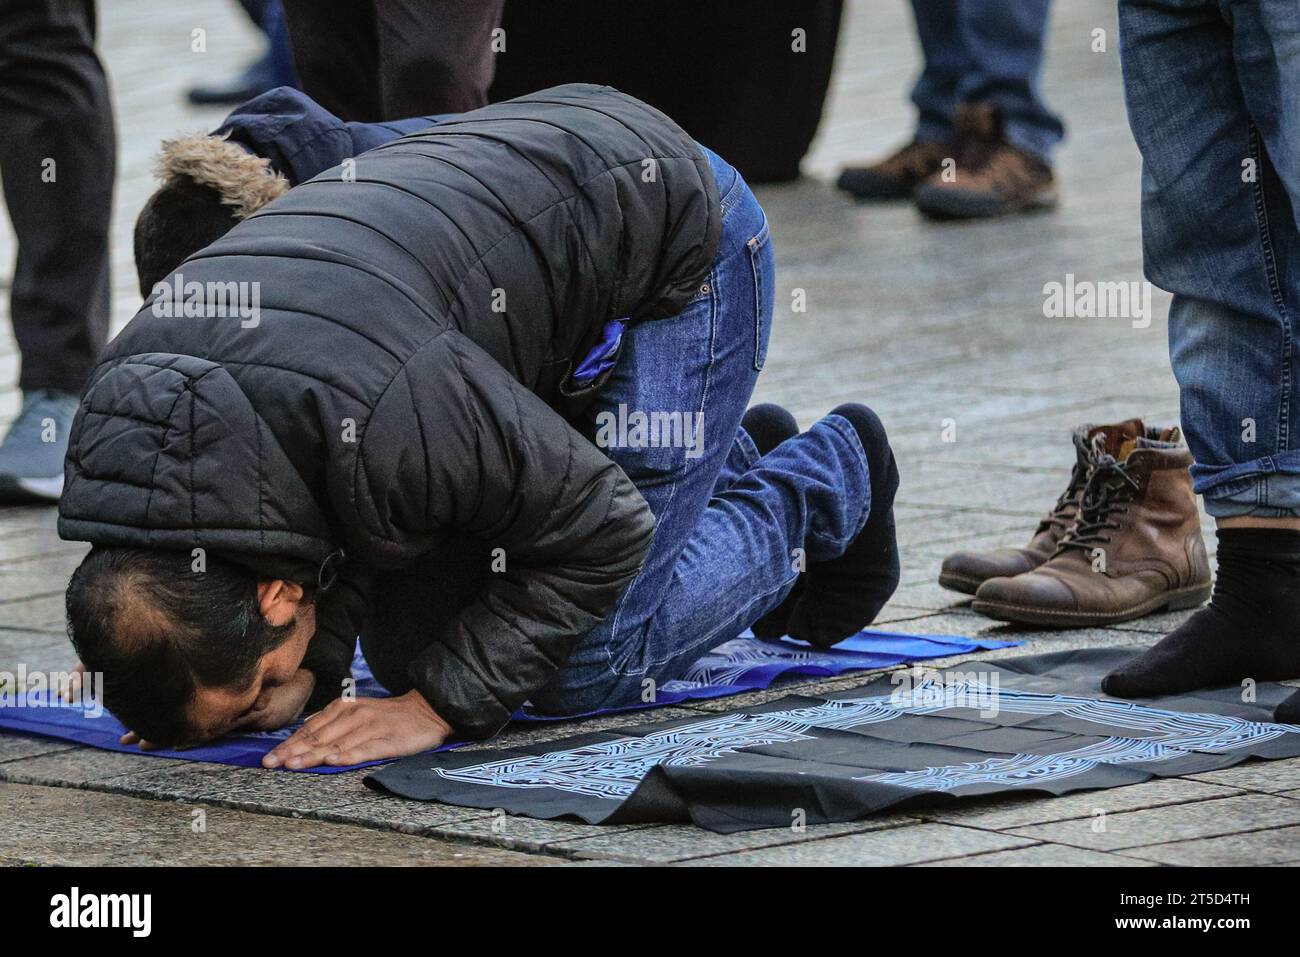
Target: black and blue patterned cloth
{"x":1035,"y":723}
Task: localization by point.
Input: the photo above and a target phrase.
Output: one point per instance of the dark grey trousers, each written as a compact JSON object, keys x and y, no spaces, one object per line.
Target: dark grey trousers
{"x":57,"y":157}
{"x":368,"y":60}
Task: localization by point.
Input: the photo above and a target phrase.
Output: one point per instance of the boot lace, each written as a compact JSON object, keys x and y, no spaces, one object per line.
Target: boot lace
{"x":1063,"y":513}
{"x":1110,"y":489}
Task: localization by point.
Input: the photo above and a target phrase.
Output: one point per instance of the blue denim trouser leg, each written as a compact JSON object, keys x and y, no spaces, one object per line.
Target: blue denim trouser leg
{"x":1213,"y":91}
{"x":727,"y":522}
{"x":987,"y":51}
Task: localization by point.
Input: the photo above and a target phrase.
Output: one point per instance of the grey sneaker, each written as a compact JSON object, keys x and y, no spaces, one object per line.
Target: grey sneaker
{"x":31,"y":456}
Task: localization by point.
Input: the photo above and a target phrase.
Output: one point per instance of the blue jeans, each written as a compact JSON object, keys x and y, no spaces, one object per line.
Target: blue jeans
{"x":985,"y":51}
{"x":1213,"y":91}
{"x":729,"y":523}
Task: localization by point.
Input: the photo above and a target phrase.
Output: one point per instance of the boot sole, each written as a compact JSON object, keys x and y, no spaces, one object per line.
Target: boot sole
{"x":26,"y":491}
{"x":939,"y":205}
{"x":1180,"y":600}
{"x":960,"y":583}
{"x":884,"y":194}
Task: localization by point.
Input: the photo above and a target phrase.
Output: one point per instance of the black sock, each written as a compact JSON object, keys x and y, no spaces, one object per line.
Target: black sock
{"x":769,"y":425}
{"x":842,"y":596}
{"x":1250,"y":629}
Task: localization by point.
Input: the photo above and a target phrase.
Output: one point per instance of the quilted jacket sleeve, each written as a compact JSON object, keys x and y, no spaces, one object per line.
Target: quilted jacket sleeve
{"x":458,"y":443}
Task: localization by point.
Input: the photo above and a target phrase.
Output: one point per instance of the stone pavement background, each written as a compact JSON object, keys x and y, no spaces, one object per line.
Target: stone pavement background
{"x":927,"y":323}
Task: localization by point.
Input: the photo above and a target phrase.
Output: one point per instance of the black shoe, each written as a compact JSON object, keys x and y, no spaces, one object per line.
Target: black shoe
{"x":836,"y":599}
{"x":896,"y":176}
{"x":256,"y":79}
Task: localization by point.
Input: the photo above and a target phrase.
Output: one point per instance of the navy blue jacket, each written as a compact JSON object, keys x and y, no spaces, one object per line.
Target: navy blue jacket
{"x":301,"y":138}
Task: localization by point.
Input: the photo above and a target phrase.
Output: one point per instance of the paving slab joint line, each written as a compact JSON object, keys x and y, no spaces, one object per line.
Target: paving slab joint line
{"x":975,"y":856}
{"x":35,"y":630}
{"x":868,"y":827}
{"x":31,"y":597}
{"x":57,"y":748}
{"x":924,"y":812}
{"x":447,"y":832}
{"x":1136,"y":848}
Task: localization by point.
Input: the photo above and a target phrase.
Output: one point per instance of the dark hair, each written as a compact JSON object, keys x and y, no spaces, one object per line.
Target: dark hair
{"x":179,"y":219}
{"x":156,"y":629}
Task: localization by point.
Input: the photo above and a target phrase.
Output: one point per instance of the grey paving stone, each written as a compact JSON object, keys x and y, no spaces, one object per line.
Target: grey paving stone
{"x":110,"y":829}
{"x":38,"y":650}
{"x":958,"y":623}
{"x":1022,"y":810}
{"x":914,"y":844}
{"x":44,"y":613}
{"x":392,"y":813}
{"x":34,"y":545}
{"x":277,"y":792}
{"x":1158,"y":624}
{"x":1179,"y":822}
{"x":14,"y":746}
{"x":665,"y":844}
{"x":18,"y":520}
{"x":1257,"y":848}
{"x":78,"y":766}
{"x":531,"y":834}
{"x":922,"y":590}
{"x":1268,"y":776}
{"x":1043,"y":855}
{"x":920,"y":527}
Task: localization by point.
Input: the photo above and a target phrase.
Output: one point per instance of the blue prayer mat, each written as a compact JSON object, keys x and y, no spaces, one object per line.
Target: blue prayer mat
{"x":742,"y":664}
{"x":1037,"y":723}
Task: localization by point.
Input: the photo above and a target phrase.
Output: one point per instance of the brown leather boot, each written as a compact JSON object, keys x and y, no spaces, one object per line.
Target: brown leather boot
{"x":897,"y":175}
{"x":1135,"y":546}
{"x":991,"y":178}
{"x":965,"y":571}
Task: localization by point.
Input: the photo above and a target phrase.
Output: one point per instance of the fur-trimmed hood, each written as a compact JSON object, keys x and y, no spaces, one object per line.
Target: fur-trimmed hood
{"x":245,"y":182}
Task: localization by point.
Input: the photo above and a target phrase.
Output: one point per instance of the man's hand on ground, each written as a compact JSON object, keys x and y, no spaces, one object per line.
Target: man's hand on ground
{"x":132,"y":738}
{"x":364,"y":729}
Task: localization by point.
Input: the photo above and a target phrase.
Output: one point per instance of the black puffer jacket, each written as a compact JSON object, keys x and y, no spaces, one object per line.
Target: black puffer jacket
{"x":415,"y":330}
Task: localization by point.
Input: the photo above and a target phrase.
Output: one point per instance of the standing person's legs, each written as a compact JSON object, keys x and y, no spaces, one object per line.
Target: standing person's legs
{"x":273,"y":68}
{"x":435,"y":56}
{"x":724,"y":553}
{"x":947,"y":64}
{"x":335,"y":47}
{"x":1214,"y":102}
{"x":57,"y":156}
{"x":1003,"y":43}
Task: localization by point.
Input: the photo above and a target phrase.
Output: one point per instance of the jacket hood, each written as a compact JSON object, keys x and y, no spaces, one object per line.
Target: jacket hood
{"x":166,"y":451}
